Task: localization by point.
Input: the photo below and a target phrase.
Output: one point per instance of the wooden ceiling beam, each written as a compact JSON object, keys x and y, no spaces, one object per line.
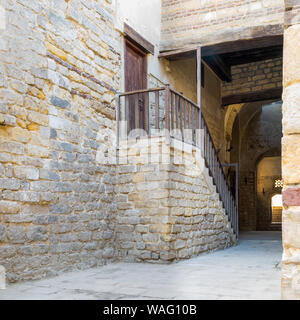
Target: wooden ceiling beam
{"x":262,"y":95}
{"x":253,"y":55}
{"x":178,"y":54}
{"x":221,"y":69}
{"x":242,"y":45}
{"x":226,"y":47}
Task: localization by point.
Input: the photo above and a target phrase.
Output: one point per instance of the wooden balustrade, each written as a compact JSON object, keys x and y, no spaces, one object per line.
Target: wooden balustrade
{"x":164,"y":108}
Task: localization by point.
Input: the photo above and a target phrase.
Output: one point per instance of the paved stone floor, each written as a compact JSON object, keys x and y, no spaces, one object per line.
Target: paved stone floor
{"x":250,"y":270}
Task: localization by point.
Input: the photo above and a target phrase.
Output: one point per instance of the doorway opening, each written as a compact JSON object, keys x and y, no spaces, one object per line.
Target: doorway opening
{"x":135,"y":79}
{"x":276,"y":206}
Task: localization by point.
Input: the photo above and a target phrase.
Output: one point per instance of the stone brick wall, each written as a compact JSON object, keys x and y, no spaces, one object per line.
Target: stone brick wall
{"x":61,"y":208}
{"x":59,"y":66}
{"x":291,"y":153}
{"x":166,"y":208}
{"x":187,"y":22}
{"x":254,"y":76}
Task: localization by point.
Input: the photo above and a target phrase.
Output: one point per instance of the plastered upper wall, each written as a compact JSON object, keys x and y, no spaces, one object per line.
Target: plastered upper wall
{"x":144,"y":16}
{"x":189,"y":22}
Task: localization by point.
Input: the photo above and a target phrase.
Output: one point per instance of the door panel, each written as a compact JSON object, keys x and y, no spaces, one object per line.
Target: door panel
{"x":135,"y":79}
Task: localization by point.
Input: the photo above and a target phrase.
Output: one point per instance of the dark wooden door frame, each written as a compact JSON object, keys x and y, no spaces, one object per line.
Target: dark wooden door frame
{"x":138,"y":101}
{"x":145,"y":64}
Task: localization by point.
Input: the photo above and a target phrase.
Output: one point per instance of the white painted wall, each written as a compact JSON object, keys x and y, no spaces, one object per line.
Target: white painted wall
{"x":144,"y":16}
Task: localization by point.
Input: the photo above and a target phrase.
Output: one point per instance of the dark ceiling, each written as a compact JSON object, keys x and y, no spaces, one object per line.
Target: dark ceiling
{"x":220,"y":57}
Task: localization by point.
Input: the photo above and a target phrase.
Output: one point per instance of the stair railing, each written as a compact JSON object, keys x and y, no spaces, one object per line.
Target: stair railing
{"x":164,"y":108}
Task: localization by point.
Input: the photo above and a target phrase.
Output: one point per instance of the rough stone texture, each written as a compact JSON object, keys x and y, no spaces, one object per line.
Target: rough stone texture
{"x":291,"y":197}
{"x":291,"y":67}
{"x":60,"y":206}
{"x":254,"y":76}
{"x":59,"y":71}
{"x":2,"y":278}
{"x":166,"y":210}
{"x":291,"y":158}
{"x":290,"y":163}
{"x":190,"y":22}
{"x":60,"y":68}
{"x":291,"y":109}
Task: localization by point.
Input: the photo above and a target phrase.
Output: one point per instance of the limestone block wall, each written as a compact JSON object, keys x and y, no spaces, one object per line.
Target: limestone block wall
{"x":60,"y":68}
{"x":291,"y":153}
{"x":168,"y":208}
{"x":61,"y":207}
{"x":188,"y":22}
{"x":254,"y":76}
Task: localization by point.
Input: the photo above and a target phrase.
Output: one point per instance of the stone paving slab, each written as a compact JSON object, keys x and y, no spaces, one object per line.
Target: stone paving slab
{"x":250,"y":270}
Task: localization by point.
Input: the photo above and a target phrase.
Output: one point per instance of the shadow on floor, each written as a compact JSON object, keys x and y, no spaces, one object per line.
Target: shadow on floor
{"x":260,"y":235}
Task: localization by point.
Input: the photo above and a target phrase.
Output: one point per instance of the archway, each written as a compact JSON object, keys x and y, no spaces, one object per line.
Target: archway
{"x":268,"y":193}
{"x":256,"y":134}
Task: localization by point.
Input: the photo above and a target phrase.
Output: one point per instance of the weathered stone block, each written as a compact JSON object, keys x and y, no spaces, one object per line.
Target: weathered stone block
{"x":30,"y":173}
{"x":291,"y":109}
{"x":16,"y":234}
{"x":291,"y":159}
{"x":49,"y":175}
{"x":2,"y":232}
{"x":37,"y":233}
{"x":2,"y":278}
{"x":10,"y":184}
{"x":291,"y":57}
{"x":9,"y":207}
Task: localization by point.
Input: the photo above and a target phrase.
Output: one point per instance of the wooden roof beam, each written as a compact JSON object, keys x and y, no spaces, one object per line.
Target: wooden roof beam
{"x":262,"y":95}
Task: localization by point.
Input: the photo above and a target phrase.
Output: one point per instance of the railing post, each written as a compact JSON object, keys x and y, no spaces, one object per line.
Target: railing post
{"x":237,"y":198}
{"x":118,"y":118}
{"x":199,"y":82}
{"x":167,"y":99}
{"x":157,"y":110}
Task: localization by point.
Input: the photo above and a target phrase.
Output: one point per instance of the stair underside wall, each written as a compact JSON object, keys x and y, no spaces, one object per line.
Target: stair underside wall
{"x":169,"y":208}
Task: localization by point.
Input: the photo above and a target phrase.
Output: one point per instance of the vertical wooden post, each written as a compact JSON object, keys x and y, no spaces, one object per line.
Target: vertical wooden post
{"x":136,"y":112}
{"x":118,"y":118}
{"x":167,"y":99}
{"x":157,"y":110}
{"x":146,"y":112}
{"x":237,"y":197}
{"x":199,"y":82}
{"x":127,"y":118}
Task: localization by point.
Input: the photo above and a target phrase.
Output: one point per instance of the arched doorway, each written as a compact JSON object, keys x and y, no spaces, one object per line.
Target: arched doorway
{"x":268,"y":194}
{"x":256,"y":134}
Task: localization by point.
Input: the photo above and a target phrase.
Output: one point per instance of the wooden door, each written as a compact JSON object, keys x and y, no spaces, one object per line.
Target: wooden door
{"x":135,"y":79}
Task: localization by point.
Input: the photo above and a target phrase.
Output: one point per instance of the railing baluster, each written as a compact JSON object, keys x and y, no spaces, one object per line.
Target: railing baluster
{"x":180,"y":116}
{"x":127,"y":113}
{"x":157,"y":110}
{"x":192,"y":115}
{"x":167,"y":105}
{"x":118,"y":119}
{"x":182,"y":113}
{"x":136,"y":111}
{"x":184,"y":117}
{"x":146,"y":112}
{"x":172,"y":110}
{"x":176,"y":110}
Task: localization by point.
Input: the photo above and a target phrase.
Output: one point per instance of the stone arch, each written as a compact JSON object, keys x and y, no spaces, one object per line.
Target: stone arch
{"x":256,"y":132}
